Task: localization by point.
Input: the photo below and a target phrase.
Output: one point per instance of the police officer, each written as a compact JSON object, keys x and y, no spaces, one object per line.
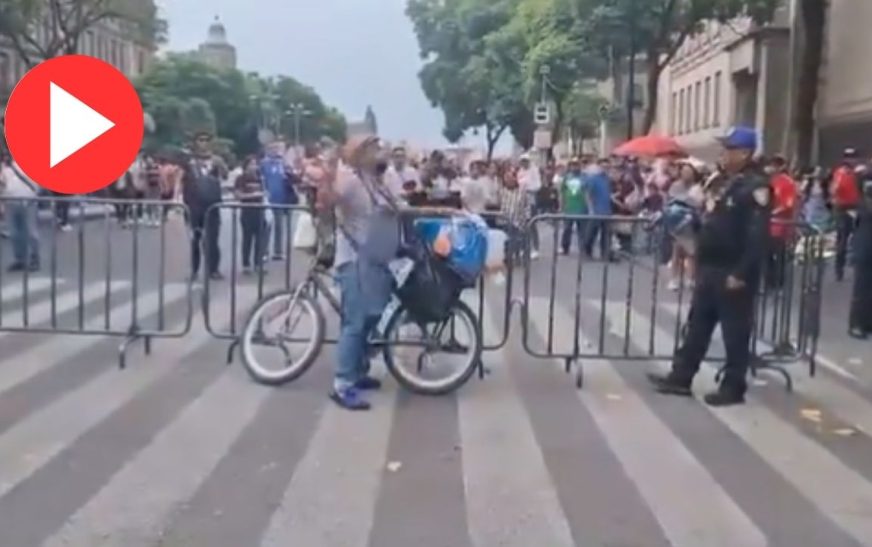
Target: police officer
{"x":860,"y":320}
{"x":730,"y":251}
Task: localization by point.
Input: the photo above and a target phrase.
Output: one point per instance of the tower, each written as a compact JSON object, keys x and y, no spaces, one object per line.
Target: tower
{"x":216,"y":51}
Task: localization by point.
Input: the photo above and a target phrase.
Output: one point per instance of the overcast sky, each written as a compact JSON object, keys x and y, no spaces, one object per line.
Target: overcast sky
{"x":353,"y":52}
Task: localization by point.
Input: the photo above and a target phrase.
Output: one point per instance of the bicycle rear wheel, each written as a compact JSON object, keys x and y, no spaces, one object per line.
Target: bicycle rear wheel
{"x":273,"y":324}
{"x":411,"y":350}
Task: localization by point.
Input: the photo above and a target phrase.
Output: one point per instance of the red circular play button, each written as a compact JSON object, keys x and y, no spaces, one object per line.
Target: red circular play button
{"x":74,"y":124}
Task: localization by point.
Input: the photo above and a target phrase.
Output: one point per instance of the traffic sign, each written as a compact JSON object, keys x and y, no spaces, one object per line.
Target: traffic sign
{"x":74,"y":124}
{"x":542,"y":113}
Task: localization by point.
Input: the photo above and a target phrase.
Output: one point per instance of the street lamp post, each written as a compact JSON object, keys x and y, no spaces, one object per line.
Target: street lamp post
{"x":298,"y":110}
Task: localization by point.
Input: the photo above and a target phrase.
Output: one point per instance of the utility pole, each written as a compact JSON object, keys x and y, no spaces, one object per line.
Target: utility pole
{"x":631,"y":78}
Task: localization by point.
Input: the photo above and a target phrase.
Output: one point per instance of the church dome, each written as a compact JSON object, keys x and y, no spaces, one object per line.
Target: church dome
{"x":217,"y":32}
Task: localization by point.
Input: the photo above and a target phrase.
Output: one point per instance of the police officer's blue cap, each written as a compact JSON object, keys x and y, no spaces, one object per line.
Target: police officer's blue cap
{"x":740,"y":138}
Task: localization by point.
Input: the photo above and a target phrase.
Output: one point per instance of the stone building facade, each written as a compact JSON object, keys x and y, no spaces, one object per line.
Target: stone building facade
{"x":729,"y":74}
{"x":844,"y":112}
{"x":739,"y":74}
{"x":107,"y":40}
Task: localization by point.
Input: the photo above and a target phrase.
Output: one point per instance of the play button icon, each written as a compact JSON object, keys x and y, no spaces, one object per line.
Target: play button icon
{"x":74,"y":124}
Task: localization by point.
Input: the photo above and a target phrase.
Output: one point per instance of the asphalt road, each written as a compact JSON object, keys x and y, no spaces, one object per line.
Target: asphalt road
{"x":181,"y":450}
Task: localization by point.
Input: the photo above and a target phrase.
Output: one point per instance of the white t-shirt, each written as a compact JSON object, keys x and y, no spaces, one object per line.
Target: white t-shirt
{"x":475,"y":194}
{"x":395,"y":179}
{"x":529,"y":179}
{"x":14,"y":186}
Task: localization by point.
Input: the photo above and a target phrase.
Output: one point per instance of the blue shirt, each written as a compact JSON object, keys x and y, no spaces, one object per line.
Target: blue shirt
{"x":275,"y":179}
{"x":599,"y":188}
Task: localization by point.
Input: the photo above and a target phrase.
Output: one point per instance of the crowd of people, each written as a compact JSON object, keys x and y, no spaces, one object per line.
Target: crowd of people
{"x":587,"y":195}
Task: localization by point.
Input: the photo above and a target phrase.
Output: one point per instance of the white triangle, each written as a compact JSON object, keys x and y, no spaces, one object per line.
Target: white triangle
{"x":72,"y":126}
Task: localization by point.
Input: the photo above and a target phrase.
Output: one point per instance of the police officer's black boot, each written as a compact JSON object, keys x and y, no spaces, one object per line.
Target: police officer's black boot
{"x":731,"y":390}
{"x":669,"y":384}
{"x":724,"y":397}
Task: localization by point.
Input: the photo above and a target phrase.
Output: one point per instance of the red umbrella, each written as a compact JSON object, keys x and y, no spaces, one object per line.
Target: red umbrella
{"x":650,"y":146}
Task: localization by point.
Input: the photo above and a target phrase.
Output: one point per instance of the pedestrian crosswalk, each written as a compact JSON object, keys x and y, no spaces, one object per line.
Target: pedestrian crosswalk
{"x":182,"y":451}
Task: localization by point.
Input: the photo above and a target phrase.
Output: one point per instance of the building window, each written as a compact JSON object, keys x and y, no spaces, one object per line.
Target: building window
{"x":672,"y":114}
{"x":697,"y":97}
{"x":716,"y":107}
{"x":681,"y":112}
{"x":707,"y":100}
{"x":688,"y":110}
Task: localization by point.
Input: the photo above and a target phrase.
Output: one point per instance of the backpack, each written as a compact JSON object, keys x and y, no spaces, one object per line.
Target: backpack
{"x":206,"y":187}
{"x":431,"y":289}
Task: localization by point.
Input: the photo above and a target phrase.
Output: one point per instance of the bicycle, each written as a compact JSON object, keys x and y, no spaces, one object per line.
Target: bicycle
{"x":303,"y":299}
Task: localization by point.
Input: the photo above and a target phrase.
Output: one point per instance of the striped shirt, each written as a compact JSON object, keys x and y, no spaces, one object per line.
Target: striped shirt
{"x":514,"y":205}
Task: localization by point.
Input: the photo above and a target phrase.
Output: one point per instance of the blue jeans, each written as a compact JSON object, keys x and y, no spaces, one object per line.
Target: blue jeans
{"x":366,"y":291}
{"x":22,"y":231}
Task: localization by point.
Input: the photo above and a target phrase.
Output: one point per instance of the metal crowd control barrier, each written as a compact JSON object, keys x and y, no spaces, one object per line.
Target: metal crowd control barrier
{"x":610,"y":293}
{"x":258,"y":230}
{"x":106,"y":258}
{"x":238,"y":233}
{"x":789,"y":304}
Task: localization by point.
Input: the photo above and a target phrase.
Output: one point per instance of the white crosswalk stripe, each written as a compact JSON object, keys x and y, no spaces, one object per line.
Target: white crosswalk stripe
{"x":668,"y":476}
{"x":160,"y":476}
{"x":842,"y":494}
{"x":331,"y":497}
{"x":45,"y":356}
{"x":14,"y":290}
{"x":41,"y":312}
{"x":42,"y":435}
{"x":495,"y":428}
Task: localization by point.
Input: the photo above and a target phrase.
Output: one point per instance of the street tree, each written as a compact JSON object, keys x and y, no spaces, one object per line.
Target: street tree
{"x":181,"y":93}
{"x":299,"y":107}
{"x":583,"y":110}
{"x":558,"y":55}
{"x":470,"y":69}
{"x":42,"y":29}
{"x":658,"y":28}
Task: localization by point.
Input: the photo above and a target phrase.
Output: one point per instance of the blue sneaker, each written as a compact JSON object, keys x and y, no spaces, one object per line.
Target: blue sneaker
{"x":349,"y":399}
{"x":368,"y":383}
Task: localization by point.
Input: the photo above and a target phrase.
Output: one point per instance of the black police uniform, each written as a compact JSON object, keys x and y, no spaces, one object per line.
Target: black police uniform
{"x":732,"y":242}
{"x":860,"y":320}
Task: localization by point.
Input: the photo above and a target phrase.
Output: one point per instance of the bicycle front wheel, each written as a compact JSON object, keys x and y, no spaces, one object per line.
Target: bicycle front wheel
{"x":282,"y":337}
{"x":434,"y":358}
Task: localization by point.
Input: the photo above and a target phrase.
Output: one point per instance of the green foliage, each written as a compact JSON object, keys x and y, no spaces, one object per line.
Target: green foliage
{"x":583,"y":110}
{"x":483,"y":58}
{"x":468,"y":72}
{"x":65,"y":21}
{"x":184,"y":95}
